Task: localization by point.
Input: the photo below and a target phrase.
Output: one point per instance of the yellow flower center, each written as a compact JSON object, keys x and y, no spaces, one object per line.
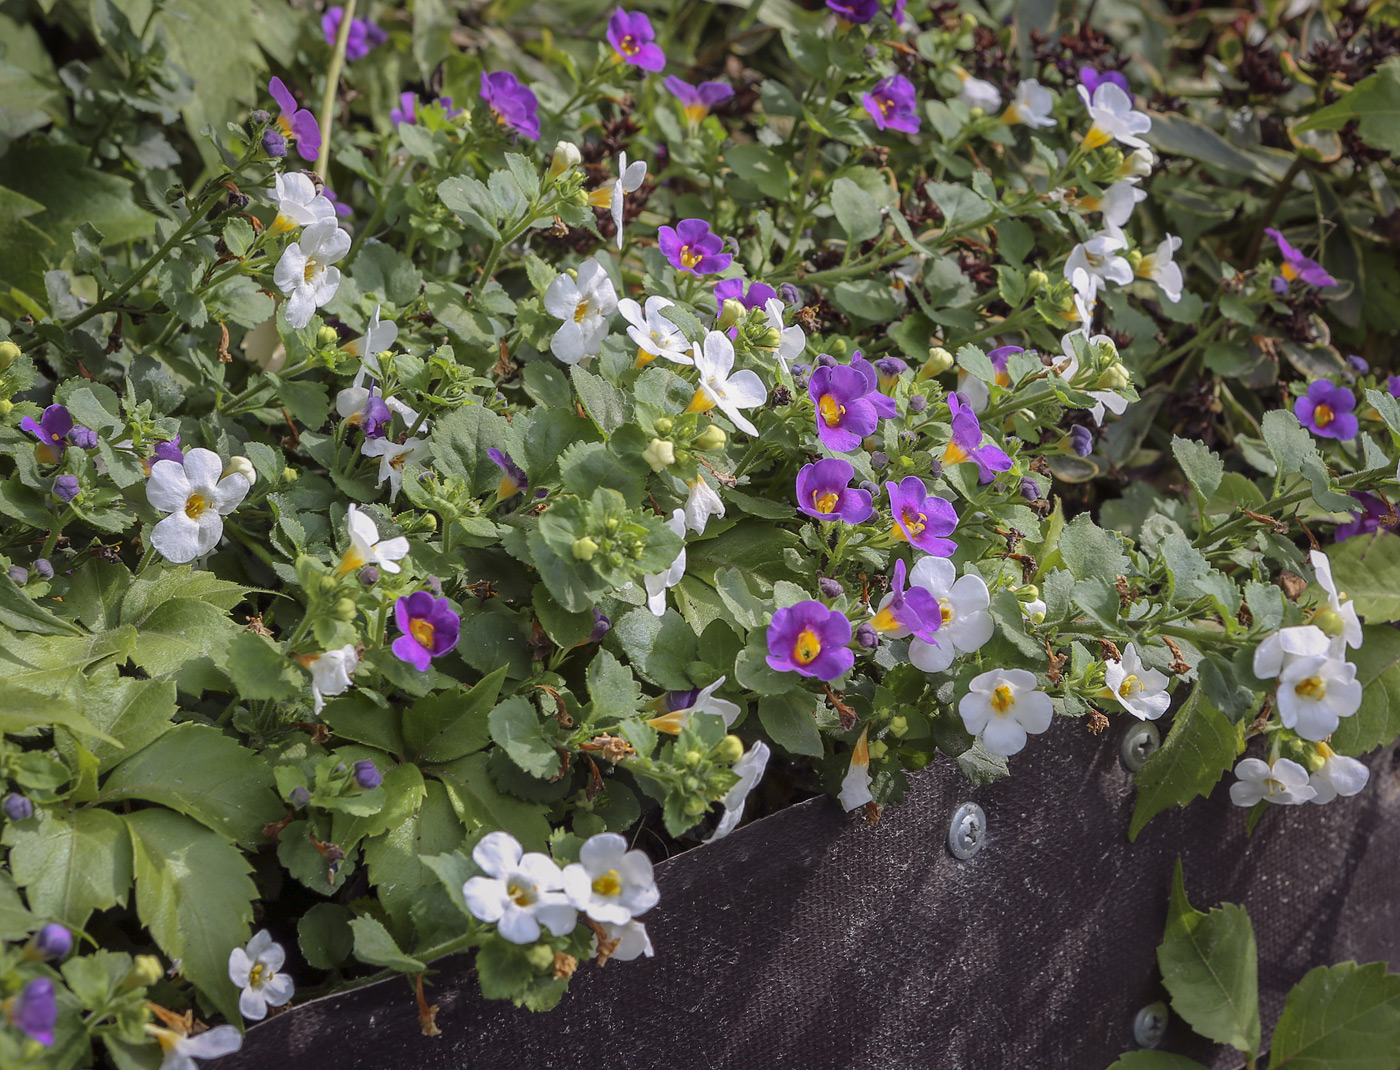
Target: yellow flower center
{"x":629,"y":46}
{"x":1288,"y":271}
{"x":285,"y":127}
{"x":255,"y":976}
{"x":807,"y":647}
{"x":610,"y":883}
{"x":1002,"y":699}
{"x":422,"y":632}
{"x":884,"y":621}
{"x":825,"y":503}
{"x":643,"y":358}
{"x":195,"y":505}
{"x":886,"y":106}
{"x":831,"y":410}
{"x":703,"y":401}
{"x":581,"y":311}
{"x":954,"y":454}
{"x":1130,"y":686}
{"x":690,"y":259}
{"x":1314,"y":687}
{"x":311,"y":268}
{"x":1096,"y":137}
{"x":915,"y":522}
{"x":696,"y":112}
{"x":1323,"y":415}
{"x":519,"y":894}
{"x":945,"y":612}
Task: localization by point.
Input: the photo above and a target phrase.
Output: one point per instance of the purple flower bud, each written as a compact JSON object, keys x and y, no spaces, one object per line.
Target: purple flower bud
{"x":1358,"y":364}
{"x":1392,"y":385}
{"x":680,"y":700}
{"x":257,"y":115}
{"x":85,"y":438}
{"x":879,"y":459}
{"x":790,"y":294}
{"x":935,"y":469}
{"x":53,"y":941}
{"x":601,"y":626}
{"x":17,"y":807}
{"x":869,"y":486}
{"x":1030,"y":489}
{"x":19,"y":574}
{"x":1279,"y":285}
{"x":369,"y":575}
{"x":825,"y":360}
{"x":867,"y":636}
{"x":367,"y":776}
{"x":43,"y":569}
{"x":299,"y":797}
{"x":830,"y":588}
{"x":168,"y":450}
{"x":65,"y":488}
{"x":274,"y":144}
{"x":435,"y":584}
{"x":35,"y":1011}
{"x":917,"y":403}
{"x":1081,"y":440}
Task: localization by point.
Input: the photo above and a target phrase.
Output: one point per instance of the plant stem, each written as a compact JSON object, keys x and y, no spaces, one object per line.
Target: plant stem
{"x":1280,"y":192}
{"x":323,"y":161}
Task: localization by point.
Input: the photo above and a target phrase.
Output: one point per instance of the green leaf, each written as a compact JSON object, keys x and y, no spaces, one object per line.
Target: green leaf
{"x":393,"y":859}
{"x":70,"y":864}
{"x":1155,"y":1060}
{"x":868,"y":299}
{"x":612,"y":688}
{"x":259,"y":670}
{"x":449,"y":724}
{"x":502,"y":969}
{"x":1201,"y":746}
{"x":788,"y":719}
{"x":1200,"y":464}
{"x":961,"y":206}
{"x":761,"y":167}
{"x":199,"y":771}
{"x":855,"y":211}
{"x":73,"y":193}
{"x":194,"y":895}
{"x":1090,"y":551}
{"x":374,"y":945}
{"x":366,"y":719}
{"x":1367,"y":567}
{"x":20,"y":612}
{"x":460,"y":441}
{"x":1180,"y":136}
{"x":133,"y":712}
{"x":1340,"y":1016}
{"x":16,"y":922}
{"x":1210,"y":965}
{"x":1377,"y":722}
{"x":516,"y":728}
{"x":481,"y":806}
{"x":472,"y":203}
{"x":1375,"y":101}
{"x":607,"y":406}
{"x":325,"y":936}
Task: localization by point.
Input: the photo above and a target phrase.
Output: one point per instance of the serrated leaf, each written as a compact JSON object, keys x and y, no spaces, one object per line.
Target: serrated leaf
{"x":1343,"y":1016}
{"x":393,"y":859}
{"x":1200,"y":464}
{"x":447,"y":725}
{"x":1377,"y":722}
{"x":374,"y":945}
{"x":516,"y":728}
{"x":1200,"y":747}
{"x":70,"y":864}
{"x":611,"y":688}
{"x":481,"y":806}
{"x":1367,"y":568}
{"x":606,"y":406}
{"x":260,"y":671}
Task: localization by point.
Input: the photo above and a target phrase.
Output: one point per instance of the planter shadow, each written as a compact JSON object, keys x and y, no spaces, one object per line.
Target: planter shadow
{"x":808,"y":939}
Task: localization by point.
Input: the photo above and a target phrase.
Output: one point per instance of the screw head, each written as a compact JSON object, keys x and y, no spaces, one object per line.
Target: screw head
{"x":1150,"y":1025}
{"x":1140,"y":742}
{"x":967,"y":831}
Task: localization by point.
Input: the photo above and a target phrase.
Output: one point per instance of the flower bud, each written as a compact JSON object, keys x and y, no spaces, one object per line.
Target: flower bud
{"x":274,"y":144}
{"x":8,"y":352}
{"x":434,"y":584}
{"x":1115,"y":378}
{"x":540,"y":956}
{"x":289,"y":475}
{"x":243,"y":467}
{"x":1036,"y":281}
{"x":566,"y":158}
{"x":369,"y":575}
{"x":6,"y":406}
{"x":899,"y":726}
{"x":712,"y":438}
{"x":730,"y":749}
{"x":870,"y":487}
{"x":345,"y":609}
{"x":1331,"y":623}
{"x":257,"y":115}
{"x":18,"y":574}
{"x":664,"y":424}
{"x":939,"y":361}
{"x":730,"y":313}
{"x":367,"y":776}
{"x":53,"y":941}
{"x":1134,"y":258}
{"x":17,"y":807}
{"x":830,"y":588}
{"x":1028,"y":592}
{"x":329,"y":584}
{"x":1030,"y":489}
{"x":327,"y":336}
{"x":584,"y":549}
{"x":917,"y":403}
{"x":299,"y":797}
{"x":43,"y":568}
{"x":145,"y":970}
{"x":661,"y":454}
{"x":768,"y":338}
{"x":879,"y":459}
{"x":867,"y":636}
{"x":601,"y":626}
{"x":878,"y":749}
{"x":695,"y":806}
{"x":1080,"y":440}
{"x":824,"y":360}
{"x":66,"y":488}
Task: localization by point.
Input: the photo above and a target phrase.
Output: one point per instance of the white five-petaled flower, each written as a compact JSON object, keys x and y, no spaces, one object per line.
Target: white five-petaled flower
{"x":749,"y":769}
{"x":705,"y":701}
{"x":1284,"y":782}
{"x":1350,"y":623}
{"x":1139,"y":690}
{"x":723,"y":388}
{"x":610,"y":196}
{"x":1095,"y":263}
{"x":632,"y":940}
{"x":305,"y":273}
{"x":855,"y":785}
{"x":377,"y":338}
{"x":1113,"y":118}
{"x":179,"y":1052}
{"x":792,"y":340}
{"x":1031,"y":105}
{"x":394,"y":457}
{"x":298,"y":203}
{"x":1002,"y":706}
{"x":254,"y":969}
{"x":1285,"y":646}
{"x":962,"y":603}
{"x":331,"y":673}
{"x":610,"y":883}
{"x":976,"y":93}
{"x":584,"y":304}
{"x":1337,"y":775}
{"x":655,"y":335}
{"x":365,"y":546}
{"x":1315,"y":693}
{"x":701,"y":504}
{"x":197,"y":496}
{"x":657,"y":585}
{"x":1161,"y":268}
{"x":1116,"y":204}
{"x":520,"y":891}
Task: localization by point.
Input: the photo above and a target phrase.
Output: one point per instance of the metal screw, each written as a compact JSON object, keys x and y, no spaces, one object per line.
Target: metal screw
{"x":1150,"y":1025}
{"x":967,"y":831}
{"x":1140,"y":742}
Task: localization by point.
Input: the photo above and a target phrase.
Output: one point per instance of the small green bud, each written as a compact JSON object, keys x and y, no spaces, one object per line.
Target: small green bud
{"x":6,"y":406}
{"x":329,"y":584}
{"x":661,"y":454}
{"x":939,"y":361}
{"x":663,"y":425}
{"x":1134,"y":258}
{"x":615,"y":559}
{"x":584,"y":549}
{"x":424,"y":522}
{"x":906,"y":462}
{"x":1027,"y":593}
{"x":712,"y":438}
{"x":1115,"y":378}
{"x":1313,"y":755}
{"x":693,"y":757}
{"x":730,"y":313}
{"x":878,"y":749}
{"x":289,"y":475}
{"x":1037,"y":280}
{"x":768,"y":338}
{"x":730,"y":748}
{"x":899,"y":726}
{"x":691,"y":783}
{"x":579,"y":198}
{"x":326,"y":336}
{"x":839,"y":348}
{"x":695,"y":806}
{"x":969,"y":21}
{"x":540,"y":956}
{"x":345,"y":609}
{"x":1331,"y":623}
{"x":145,"y":970}
{"x":8,"y":352}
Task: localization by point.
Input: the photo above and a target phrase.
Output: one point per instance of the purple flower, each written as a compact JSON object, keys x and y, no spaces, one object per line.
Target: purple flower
{"x":1081,"y":440}
{"x":999,"y":357}
{"x":43,"y":568}
{"x":514,"y":105}
{"x":845,"y":413}
{"x":824,"y":491}
{"x":867,"y":636}
{"x":513,"y":481}
{"x":168,"y":450}
{"x":51,"y":429}
{"x":921,"y":519}
{"x":1091,"y":79}
{"x":407,"y":111}
{"x":698,"y":99}
{"x":1374,"y":512}
{"x":601,"y":626}
{"x":913,"y":611}
{"x":691,"y":247}
{"x":1297,"y":266}
{"x":342,"y":210}
{"x":759,"y":294}
{"x":830,"y":588}
{"x":811,"y":640}
{"x":1359,"y":365}
{"x":634,"y":41}
{"x":363,"y":36}
{"x":854,"y":12}
{"x":892,"y":103}
{"x":966,"y":443}
{"x":1392,"y":384}
{"x":367,"y":776}
{"x":889,"y":370}
{"x":66,"y":488}
{"x":300,"y":797}
{"x":296,"y":125}
{"x":53,"y":941}
{"x":429,"y":627}
{"x":17,"y":807}
{"x":1325,"y":410}
{"x":34,"y":1012}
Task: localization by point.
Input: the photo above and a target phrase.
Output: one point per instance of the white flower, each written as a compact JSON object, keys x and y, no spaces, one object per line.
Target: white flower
{"x":792,"y":340}
{"x":365,"y":547}
{"x":1002,"y":706}
{"x":1285,"y":782}
{"x":264,"y":346}
{"x":705,"y":701}
{"x":584,"y":304}
{"x":520,"y":892}
{"x":1068,"y":368}
{"x":701,"y":504}
{"x":1287,"y":644}
{"x":1162,"y":269}
{"x":330,"y":673}
{"x":254,"y":970}
{"x":1111,"y":112}
{"x":855,"y":785}
{"x":1350,"y":623}
{"x":1139,"y":690}
{"x":741,"y":390}
{"x":610,"y":196}
{"x":1116,"y":204}
{"x":394,"y":457}
{"x":632,"y":940}
{"x":963,"y":603}
{"x":1315,"y":693}
{"x":1034,"y":610}
{"x":655,"y":335}
{"x":305,"y":272}
{"x":1031,"y":105}
{"x":1095,"y":263}
{"x":1337,"y":775}
{"x":298,"y":203}
{"x":1137,"y":164}
{"x":749,"y":769}
{"x":179,"y":1052}
{"x":976,"y":93}
{"x":197,"y":496}
{"x":657,"y":585}
{"x":377,"y":338}
{"x":609,"y":882}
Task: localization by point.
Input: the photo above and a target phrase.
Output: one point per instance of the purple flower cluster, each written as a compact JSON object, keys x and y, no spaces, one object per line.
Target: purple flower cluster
{"x":692,"y":247}
{"x":824,"y":491}
{"x":364,"y":35}
{"x":891,"y":105}
{"x":1297,"y":266}
{"x":294,"y":124}
{"x":430,"y":629}
{"x":514,"y":105}
{"x":848,"y":402}
{"x":634,"y":41}
{"x":698,"y":100}
{"x":922,"y":519}
{"x":1091,"y":79}
{"x":407,"y":111}
{"x":966,"y":443}
{"x":811,"y":640}
{"x":908,"y":611}
{"x":1326,"y":411}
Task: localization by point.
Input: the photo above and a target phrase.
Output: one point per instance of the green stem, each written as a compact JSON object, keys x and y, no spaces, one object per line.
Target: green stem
{"x":1280,"y":192}
{"x":323,"y":162}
